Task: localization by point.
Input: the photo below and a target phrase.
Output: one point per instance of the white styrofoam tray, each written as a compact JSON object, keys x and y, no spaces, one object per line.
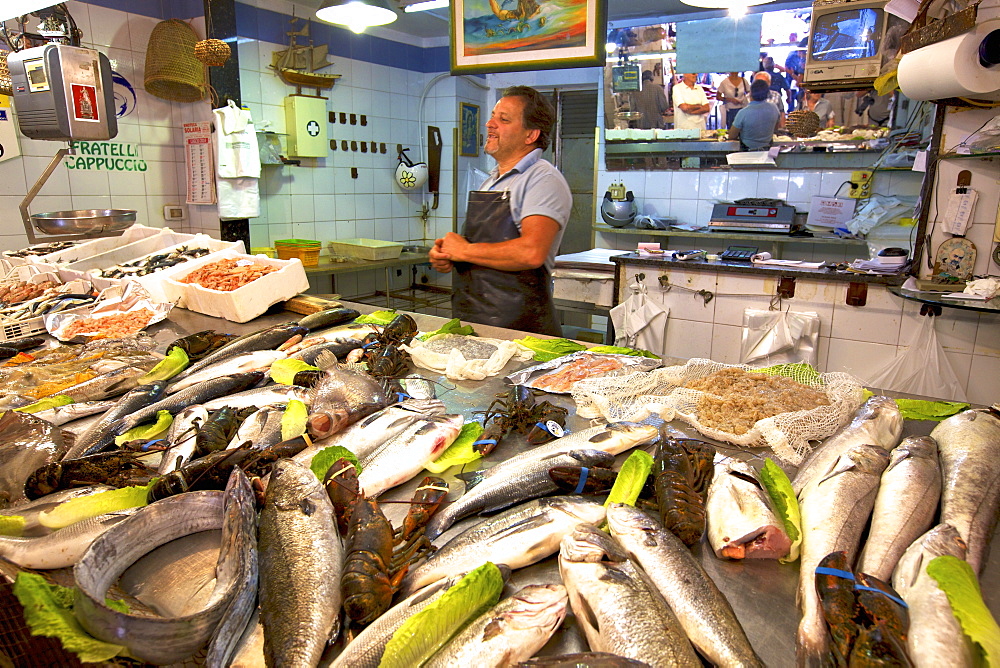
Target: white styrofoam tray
{"x":242,"y":304}
{"x":87,"y":249}
{"x":366,"y":249}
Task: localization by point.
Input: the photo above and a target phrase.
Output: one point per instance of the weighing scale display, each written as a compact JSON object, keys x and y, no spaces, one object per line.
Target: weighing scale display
{"x":38,"y":81}
{"x":756,"y":212}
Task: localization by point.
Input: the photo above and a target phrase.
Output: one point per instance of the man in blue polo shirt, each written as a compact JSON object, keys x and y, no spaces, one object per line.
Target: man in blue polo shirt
{"x":754,"y":125}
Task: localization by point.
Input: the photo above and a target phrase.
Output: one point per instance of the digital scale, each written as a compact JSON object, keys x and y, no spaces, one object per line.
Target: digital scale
{"x":739,"y":217}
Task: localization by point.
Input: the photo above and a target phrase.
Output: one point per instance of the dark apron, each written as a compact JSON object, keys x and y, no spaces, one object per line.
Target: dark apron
{"x":513,"y":299}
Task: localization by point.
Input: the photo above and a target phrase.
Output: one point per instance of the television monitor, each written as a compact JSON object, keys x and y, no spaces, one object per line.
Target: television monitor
{"x":846,"y":44}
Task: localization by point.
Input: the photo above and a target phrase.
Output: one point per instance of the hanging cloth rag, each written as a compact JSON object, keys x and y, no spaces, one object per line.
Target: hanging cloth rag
{"x":237,"y":162}
{"x":639,"y":322}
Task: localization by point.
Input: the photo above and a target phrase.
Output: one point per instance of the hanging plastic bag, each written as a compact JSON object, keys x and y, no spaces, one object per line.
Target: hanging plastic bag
{"x":779,"y":337}
{"x":923,"y":369}
{"x":640,"y":323}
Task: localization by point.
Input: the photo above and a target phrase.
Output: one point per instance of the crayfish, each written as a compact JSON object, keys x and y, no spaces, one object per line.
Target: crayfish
{"x":118,"y":468}
{"x":519,"y":412}
{"x":377,"y":557}
{"x":683,"y":470}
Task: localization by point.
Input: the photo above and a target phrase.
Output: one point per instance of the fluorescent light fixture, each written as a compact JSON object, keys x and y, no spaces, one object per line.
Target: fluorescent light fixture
{"x":736,"y":11}
{"x":356,"y":14}
{"x":10,"y":9}
{"x":724,"y":4}
{"x":427,"y":4}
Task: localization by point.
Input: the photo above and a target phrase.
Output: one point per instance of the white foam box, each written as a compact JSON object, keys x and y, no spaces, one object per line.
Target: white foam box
{"x":242,"y":304}
{"x":94,"y":247}
{"x":593,"y":287}
{"x":366,"y":249}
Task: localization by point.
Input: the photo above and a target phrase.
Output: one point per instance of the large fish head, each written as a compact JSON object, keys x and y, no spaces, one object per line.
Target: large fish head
{"x":913,"y":447}
{"x":624,"y":519}
{"x":328,"y":420}
{"x":940,"y":540}
{"x":579,"y":510}
{"x":621,"y":436}
{"x":885,"y":420}
{"x":587,"y":543}
{"x":540,"y":607}
{"x":863,"y":458}
{"x":291,"y":485}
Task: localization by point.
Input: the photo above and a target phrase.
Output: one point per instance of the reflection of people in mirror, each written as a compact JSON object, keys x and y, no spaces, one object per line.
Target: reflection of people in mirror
{"x":754,"y":126}
{"x":815,"y":102}
{"x":651,"y":101}
{"x":691,"y":105}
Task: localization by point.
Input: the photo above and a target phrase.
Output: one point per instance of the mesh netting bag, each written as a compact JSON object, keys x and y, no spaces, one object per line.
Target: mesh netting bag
{"x":636,"y":396}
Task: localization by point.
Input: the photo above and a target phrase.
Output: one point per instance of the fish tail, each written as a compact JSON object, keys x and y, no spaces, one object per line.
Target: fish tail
{"x":812,"y":644}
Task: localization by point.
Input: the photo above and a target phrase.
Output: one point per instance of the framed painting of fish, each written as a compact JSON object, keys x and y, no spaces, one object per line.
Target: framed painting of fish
{"x":520,"y":35}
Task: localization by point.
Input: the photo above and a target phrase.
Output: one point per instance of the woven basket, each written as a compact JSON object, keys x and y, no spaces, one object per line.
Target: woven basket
{"x":6,"y":85}
{"x":212,"y":52}
{"x":172,"y":71}
{"x":802,"y":123}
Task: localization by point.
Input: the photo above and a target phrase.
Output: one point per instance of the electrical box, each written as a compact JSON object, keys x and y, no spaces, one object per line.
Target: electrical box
{"x":305,"y":123}
{"x":63,"y":92}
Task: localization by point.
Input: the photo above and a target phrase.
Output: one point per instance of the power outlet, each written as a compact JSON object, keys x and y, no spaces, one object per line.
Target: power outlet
{"x":861,"y":184}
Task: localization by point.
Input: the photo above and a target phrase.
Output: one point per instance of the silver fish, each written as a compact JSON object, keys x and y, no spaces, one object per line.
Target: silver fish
{"x":260,"y":396}
{"x":109,"y":384}
{"x":877,"y":422}
{"x":258,"y":360}
{"x":182,"y":438}
{"x":517,"y":537}
{"x":835,"y":506}
{"x":969,"y":448}
{"x":346,"y":333}
{"x":310,"y":349}
{"x":404,"y":456}
{"x":136,"y":398}
{"x":417,"y":386}
{"x":618,"y":608}
{"x":342,"y":396}
{"x":60,"y":415}
{"x":264,"y":339}
{"x":164,"y":640}
{"x":905,"y":506}
{"x":528,"y":481}
{"x":61,"y":548}
{"x":512,"y":630}
{"x":301,"y":561}
{"x":30,"y":510}
{"x":742,"y":523}
{"x":582,"y":660}
{"x":28,"y":444}
{"x":260,"y":430}
{"x":935,"y":639}
{"x":702,"y":610}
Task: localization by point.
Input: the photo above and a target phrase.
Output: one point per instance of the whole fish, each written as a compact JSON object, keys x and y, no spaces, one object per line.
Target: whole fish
{"x":969,"y":448}
{"x":368,"y":434}
{"x":343,"y":396}
{"x":512,"y":630}
{"x":28,"y":444}
{"x":311,"y":353}
{"x":417,"y":386}
{"x":201,"y":393}
{"x":260,"y":396}
{"x":137,"y":398}
{"x":164,"y":640}
{"x":257,"y":360}
{"x":935,"y":637}
{"x":618,"y":608}
{"x":182,"y":438}
{"x":344,"y":333}
{"x":301,"y":561}
{"x":742,"y":523}
{"x":877,"y":422}
{"x":61,"y":548}
{"x":60,"y":415}
{"x":328,"y":318}
{"x":529,"y":481}
{"x":404,"y":456}
{"x":261,"y":430}
{"x":702,"y":610}
{"x":110,"y":384}
{"x":264,"y":339}
{"x":30,"y":510}
{"x":517,"y":537}
{"x":835,"y":506}
{"x":905,"y":506}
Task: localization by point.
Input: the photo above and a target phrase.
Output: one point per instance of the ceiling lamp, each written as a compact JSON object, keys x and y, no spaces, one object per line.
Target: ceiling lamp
{"x":724,"y":4}
{"x":356,"y":14}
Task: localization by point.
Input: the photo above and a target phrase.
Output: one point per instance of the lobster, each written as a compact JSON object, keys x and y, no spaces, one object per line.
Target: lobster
{"x":118,"y":468}
{"x":681,"y":485}
{"x":836,"y":595}
{"x":519,"y":412}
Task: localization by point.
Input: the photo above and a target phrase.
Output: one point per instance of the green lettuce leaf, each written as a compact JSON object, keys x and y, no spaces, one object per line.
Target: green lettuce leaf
{"x":621,"y":350}
{"x":85,"y":507}
{"x":175,"y":361}
{"x":779,"y":488}
{"x":376,"y":318}
{"x":960,"y":584}
{"x":453,"y":326}
{"x":46,"y":403}
{"x":427,"y":631}
{"x":148,"y":431}
{"x":460,"y":451}
{"x":920,"y":409}
{"x":631,"y":478}
{"x":48,"y":611}
{"x":11,"y":525}
{"x":325,"y":458}
{"x":549,"y":349}
{"x":293,"y":420}
{"x":801,"y":372}
{"x":283,"y":371}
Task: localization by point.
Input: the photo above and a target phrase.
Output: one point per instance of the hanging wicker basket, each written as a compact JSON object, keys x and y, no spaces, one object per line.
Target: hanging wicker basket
{"x":172,"y":71}
{"x":212,"y":52}
{"x":6,"y":85}
{"x":802,"y":123}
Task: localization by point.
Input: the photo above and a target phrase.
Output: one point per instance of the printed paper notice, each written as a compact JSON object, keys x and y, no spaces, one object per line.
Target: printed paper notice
{"x":198,"y":156}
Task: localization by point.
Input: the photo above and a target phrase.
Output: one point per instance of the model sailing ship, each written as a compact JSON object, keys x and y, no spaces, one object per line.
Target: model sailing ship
{"x":298,"y":65}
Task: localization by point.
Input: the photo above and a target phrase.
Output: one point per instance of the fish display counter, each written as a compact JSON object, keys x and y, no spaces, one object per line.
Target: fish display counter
{"x":761,"y":592}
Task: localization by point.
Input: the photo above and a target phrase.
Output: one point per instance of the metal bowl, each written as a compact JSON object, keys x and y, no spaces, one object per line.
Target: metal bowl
{"x":84,"y":221}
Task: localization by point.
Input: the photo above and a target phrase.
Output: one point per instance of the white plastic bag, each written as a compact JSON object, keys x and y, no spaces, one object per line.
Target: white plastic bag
{"x":779,"y":337}
{"x":923,"y":369}
{"x":640,"y":323}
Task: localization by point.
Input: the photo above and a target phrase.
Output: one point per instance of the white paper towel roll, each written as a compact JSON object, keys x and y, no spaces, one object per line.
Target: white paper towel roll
{"x":950,"y":68}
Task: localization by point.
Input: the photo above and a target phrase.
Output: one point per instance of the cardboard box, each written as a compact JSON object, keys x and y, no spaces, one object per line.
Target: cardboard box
{"x":242,"y":304}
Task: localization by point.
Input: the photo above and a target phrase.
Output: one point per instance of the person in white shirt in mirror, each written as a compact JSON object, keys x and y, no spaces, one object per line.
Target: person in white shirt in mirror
{"x":691,"y":106}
